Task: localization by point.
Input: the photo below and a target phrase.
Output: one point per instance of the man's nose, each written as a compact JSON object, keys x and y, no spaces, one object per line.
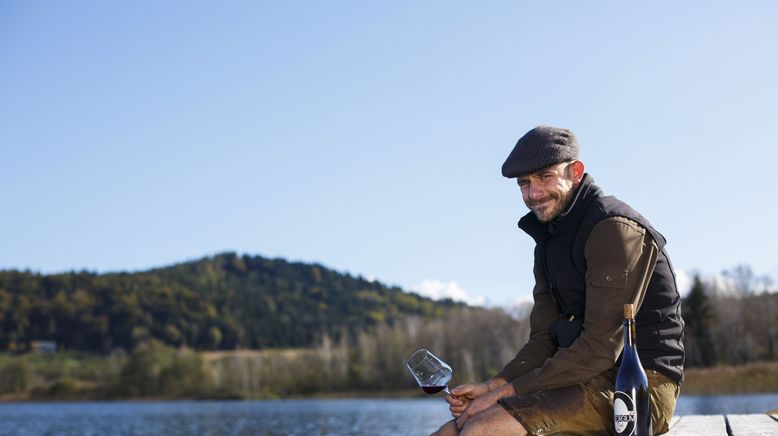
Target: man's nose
{"x":535,"y":192}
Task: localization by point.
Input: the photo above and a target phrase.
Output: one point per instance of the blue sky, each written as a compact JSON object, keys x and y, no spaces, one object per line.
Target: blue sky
{"x":368,"y":136}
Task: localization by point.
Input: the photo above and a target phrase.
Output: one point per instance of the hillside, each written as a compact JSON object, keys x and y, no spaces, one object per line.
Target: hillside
{"x":225,"y":301}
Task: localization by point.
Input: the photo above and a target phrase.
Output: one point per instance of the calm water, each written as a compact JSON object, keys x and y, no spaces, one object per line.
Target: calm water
{"x":291,"y":417}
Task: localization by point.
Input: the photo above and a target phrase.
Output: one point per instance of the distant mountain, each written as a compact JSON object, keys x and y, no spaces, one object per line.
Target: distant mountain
{"x":225,"y":301}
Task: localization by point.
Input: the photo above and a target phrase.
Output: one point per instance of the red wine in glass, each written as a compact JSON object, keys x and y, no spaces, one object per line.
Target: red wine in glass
{"x":433,"y":389}
{"x":431,"y":373}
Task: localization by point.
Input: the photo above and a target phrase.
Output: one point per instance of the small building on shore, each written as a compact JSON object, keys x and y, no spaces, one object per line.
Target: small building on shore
{"x":43,"y":347}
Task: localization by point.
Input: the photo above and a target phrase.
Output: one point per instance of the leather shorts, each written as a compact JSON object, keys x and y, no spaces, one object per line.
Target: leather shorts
{"x":587,"y":408}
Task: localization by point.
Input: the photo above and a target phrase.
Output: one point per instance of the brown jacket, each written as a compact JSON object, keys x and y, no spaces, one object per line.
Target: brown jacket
{"x":615,"y":244}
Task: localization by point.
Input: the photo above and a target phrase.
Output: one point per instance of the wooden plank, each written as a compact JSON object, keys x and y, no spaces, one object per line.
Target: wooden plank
{"x":752,"y":425}
{"x":699,"y":425}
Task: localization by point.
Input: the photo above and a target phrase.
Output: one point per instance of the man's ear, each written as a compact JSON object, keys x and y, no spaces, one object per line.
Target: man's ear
{"x":577,"y":168}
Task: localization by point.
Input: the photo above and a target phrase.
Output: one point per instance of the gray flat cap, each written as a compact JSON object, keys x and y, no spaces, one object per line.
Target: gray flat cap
{"x":540,"y":147}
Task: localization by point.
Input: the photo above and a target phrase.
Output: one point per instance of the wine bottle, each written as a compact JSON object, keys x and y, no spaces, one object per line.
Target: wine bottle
{"x":631,"y":401}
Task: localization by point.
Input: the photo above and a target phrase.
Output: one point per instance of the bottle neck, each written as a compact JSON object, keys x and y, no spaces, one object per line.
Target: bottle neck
{"x":629,"y":332}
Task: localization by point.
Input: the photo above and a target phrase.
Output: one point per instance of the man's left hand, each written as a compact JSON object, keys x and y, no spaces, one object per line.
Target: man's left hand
{"x":484,"y":402}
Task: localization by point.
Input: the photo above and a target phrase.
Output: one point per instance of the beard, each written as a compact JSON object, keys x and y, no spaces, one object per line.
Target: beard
{"x":550,"y":206}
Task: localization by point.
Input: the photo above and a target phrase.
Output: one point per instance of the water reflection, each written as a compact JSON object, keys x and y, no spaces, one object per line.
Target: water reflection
{"x":292,"y":417}
{"x":725,"y":404}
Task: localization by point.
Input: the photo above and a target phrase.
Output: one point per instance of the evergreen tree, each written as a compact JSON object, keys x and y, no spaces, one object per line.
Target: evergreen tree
{"x":698,"y":316}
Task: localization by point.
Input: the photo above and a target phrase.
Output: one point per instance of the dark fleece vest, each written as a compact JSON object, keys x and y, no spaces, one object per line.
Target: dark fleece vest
{"x":560,"y":249}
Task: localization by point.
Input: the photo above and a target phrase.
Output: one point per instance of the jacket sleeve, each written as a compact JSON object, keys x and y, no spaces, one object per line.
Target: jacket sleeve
{"x":620,"y":259}
{"x":539,"y":347}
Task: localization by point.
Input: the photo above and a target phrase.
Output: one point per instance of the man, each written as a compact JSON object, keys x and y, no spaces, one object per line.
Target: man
{"x":593,"y":254}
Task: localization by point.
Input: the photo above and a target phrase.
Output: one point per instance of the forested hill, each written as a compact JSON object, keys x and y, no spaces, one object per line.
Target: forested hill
{"x":220,"y":302}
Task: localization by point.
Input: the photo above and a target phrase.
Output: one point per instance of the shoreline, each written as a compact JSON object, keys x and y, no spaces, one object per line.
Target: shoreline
{"x":323,"y":397}
{"x":71,"y":377}
{"x":350,"y":395}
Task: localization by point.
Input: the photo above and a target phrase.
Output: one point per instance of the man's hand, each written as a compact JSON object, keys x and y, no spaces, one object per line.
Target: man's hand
{"x":462,"y":395}
{"x":483,"y":402}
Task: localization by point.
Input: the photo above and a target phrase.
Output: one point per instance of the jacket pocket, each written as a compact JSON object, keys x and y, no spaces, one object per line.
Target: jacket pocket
{"x":608,"y":277}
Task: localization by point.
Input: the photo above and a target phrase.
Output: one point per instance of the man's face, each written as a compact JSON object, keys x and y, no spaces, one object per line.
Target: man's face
{"x":547,"y":192}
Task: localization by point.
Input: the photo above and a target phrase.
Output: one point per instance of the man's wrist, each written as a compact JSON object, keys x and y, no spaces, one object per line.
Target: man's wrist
{"x":495,"y":382}
{"x":507,"y":390}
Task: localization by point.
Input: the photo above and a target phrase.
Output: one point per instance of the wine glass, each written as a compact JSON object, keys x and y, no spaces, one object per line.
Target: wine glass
{"x":431,"y":373}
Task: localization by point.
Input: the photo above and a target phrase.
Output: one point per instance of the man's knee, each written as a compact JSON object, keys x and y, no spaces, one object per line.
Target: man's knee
{"x":473,"y":427}
{"x":493,"y":421}
{"x":447,"y":429}
{"x":478,"y":425}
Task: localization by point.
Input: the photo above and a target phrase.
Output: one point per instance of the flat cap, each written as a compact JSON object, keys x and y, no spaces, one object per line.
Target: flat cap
{"x":540,"y":147}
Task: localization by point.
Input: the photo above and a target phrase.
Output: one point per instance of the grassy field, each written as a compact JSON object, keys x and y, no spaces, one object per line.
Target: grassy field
{"x":759,"y":377}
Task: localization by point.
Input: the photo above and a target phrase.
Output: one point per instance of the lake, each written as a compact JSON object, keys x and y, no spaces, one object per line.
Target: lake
{"x":284,"y":417}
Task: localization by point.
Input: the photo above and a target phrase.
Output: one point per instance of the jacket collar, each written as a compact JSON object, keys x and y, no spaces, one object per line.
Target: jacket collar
{"x":584,"y":194}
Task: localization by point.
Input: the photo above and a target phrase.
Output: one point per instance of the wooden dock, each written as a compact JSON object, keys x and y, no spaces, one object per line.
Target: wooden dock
{"x":724,"y":425}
